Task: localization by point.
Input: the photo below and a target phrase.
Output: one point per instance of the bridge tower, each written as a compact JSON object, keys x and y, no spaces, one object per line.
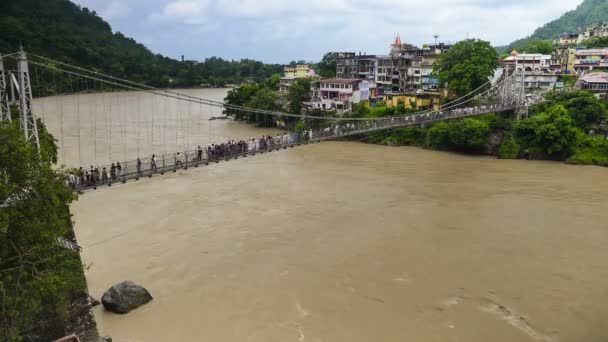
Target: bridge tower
{"x":29,"y":126}
{"x":5,"y":110}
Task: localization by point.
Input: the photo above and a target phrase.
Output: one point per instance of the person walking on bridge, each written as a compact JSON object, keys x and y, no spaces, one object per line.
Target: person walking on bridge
{"x":153,"y":166}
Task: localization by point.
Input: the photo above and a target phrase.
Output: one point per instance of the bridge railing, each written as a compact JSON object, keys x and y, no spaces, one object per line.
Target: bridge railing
{"x":172,"y":162}
{"x":143,"y":167}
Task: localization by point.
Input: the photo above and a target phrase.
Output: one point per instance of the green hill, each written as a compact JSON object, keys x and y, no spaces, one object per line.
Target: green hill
{"x":587,"y":13}
{"x":62,"y":30}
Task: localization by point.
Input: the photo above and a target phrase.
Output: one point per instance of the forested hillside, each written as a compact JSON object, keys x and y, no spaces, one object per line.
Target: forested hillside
{"x":588,"y":13}
{"x":61,"y":30}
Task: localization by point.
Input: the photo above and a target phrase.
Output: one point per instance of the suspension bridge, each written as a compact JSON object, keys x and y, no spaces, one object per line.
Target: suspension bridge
{"x":146,"y":131}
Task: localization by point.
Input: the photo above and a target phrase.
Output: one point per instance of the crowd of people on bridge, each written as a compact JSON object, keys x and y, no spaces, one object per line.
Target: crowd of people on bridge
{"x":94,"y":176}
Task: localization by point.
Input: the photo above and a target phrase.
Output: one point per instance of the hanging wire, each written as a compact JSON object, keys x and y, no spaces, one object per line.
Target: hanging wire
{"x":110,"y":126}
{"x":60,"y":99}
{"x":154,"y":109}
{"x":39,"y":98}
{"x":165,"y":127}
{"x":97,"y":108}
{"x":177,"y":123}
{"x":138,"y":123}
{"x":124,"y":128}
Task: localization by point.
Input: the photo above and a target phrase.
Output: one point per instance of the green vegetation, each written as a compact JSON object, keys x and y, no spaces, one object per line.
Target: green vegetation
{"x":597,"y":42}
{"x":298,"y":93}
{"x":327,"y":65}
{"x":534,"y":45}
{"x":61,"y":30}
{"x":556,"y":130}
{"x":466,"y":66}
{"x":38,"y":280}
{"x":591,"y":151}
{"x":587,"y":13}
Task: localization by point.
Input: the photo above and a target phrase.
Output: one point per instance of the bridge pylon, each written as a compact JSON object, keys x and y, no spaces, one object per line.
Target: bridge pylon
{"x":5,"y":109}
{"x":29,"y":126}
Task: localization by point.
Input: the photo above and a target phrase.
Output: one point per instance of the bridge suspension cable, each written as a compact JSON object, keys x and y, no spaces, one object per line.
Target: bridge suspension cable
{"x":132,"y":85}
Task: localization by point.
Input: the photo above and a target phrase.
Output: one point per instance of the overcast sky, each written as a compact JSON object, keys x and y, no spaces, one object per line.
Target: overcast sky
{"x":280,"y":31}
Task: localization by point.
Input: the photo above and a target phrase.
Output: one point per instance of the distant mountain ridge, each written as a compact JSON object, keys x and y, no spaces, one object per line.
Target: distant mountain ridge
{"x":62,"y":30}
{"x":589,"y":12}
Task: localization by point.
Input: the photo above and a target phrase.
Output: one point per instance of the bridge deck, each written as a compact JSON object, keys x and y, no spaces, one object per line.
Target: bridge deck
{"x":191,"y":159}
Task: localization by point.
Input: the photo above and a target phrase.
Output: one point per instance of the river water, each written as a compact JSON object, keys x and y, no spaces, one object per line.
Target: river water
{"x":344,"y":241}
{"x":98,"y":129}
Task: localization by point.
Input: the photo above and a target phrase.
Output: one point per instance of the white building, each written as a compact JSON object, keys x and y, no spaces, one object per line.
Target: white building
{"x":334,"y":94}
{"x":536,"y":68}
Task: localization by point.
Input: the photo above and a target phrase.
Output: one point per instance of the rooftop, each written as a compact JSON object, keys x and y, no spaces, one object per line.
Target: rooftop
{"x":340,"y":80}
{"x":600,"y":77}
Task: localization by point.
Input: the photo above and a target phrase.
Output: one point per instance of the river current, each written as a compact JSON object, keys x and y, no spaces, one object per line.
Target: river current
{"x":343,"y":241}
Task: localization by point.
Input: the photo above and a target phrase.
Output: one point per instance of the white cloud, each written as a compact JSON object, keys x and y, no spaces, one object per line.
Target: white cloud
{"x":185,"y":11}
{"x":283,"y":30}
{"x":116,"y":9}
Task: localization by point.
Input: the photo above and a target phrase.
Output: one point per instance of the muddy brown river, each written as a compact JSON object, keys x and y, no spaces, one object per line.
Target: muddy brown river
{"x":350,"y":242}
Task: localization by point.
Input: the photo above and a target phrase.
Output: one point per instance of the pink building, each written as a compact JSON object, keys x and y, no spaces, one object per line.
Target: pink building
{"x":333,"y":94}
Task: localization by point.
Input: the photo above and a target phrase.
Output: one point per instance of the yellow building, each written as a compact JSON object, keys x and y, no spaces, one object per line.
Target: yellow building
{"x":299,"y":71}
{"x":417,"y":101}
{"x":571,"y":60}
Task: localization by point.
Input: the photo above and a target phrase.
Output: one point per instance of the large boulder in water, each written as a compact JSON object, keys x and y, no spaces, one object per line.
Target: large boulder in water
{"x":124,"y":297}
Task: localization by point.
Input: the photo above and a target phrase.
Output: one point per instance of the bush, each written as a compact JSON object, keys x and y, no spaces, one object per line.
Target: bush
{"x":469,"y":135}
{"x":415,"y":136}
{"x":509,"y":149}
{"x":438,"y":136}
{"x":551,"y":134}
{"x":592,"y":151}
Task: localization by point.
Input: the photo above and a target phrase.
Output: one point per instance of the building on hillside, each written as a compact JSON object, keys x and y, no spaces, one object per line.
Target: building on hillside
{"x":563,"y":60}
{"x":406,"y":70}
{"x":334,"y":94}
{"x":590,"y":59}
{"x":299,"y":71}
{"x":347,"y":65}
{"x":292,"y":73}
{"x":569,"y":39}
{"x":594,"y":82}
{"x":537,"y":69}
{"x":595,"y":31}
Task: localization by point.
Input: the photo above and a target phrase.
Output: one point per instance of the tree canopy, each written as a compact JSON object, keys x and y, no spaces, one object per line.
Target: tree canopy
{"x":61,"y":30}
{"x":466,"y":66}
{"x":38,"y":279}
{"x":327,"y":65}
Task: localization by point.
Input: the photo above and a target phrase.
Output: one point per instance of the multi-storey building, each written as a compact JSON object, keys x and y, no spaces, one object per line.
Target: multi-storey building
{"x":596,"y":31}
{"x":590,"y":59}
{"x":406,"y":70}
{"x":569,"y":39}
{"x":347,"y":65}
{"x":535,"y":68}
{"x":292,"y":73}
{"x":334,"y":94}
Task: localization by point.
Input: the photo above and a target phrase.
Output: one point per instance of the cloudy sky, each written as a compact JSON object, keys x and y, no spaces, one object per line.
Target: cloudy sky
{"x":280,"y":31}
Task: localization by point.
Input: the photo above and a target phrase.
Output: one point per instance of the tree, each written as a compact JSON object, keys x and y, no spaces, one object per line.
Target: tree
{"x":438,"y":136}
{"x":596,"y":42}
{"x":466,"y":66}
{"x":469,"y":135}
{"x":536,"y":46}
{"x":298,"y":93}
{"x":264,"y":99}
{"x":38,"y":279}
{"x":273,"y":82}
{"x":327,"y":65}
{"x":551,"y":134}
{"x":587,"y":111}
